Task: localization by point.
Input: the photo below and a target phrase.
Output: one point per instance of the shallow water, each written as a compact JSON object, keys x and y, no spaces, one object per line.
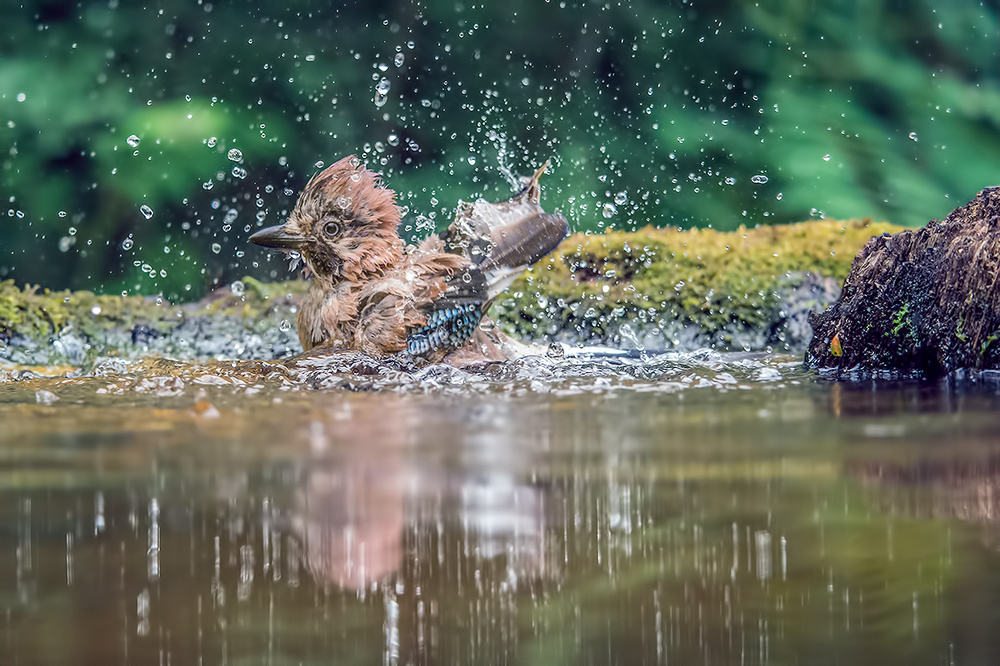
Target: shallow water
{"x":693,"y":509}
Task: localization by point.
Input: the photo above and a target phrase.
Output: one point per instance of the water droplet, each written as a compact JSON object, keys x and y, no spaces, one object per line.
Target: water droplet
{"x":211,"y":142}
{"x":730,"y":181}
{"x":238,"y":288}
{"x":621,"y":198}
{"x":472,"y":160}
{"x":239,"y":172}
{"x":133,"y":141}
{"x":216,"y":248}
{"x":399,"y":60}
{"x":310,"y":58}
{"x":146,"y":211}
{"x":21,"y":97}
{"x":230,"y":216}
{"x":393,"y":140}
{"x":127,"y":244}
{"x":236,"y":155}
{"x":609,"y":210}
{"x":826,"y":158}
{"x":382,"y":93}
{"x":913,"y":136}
{"x":65,"y":243}
{"x":71,"y":231}
{"x":207,"y":185}
{"x":758,"y":179}
{"x":284,"y":326}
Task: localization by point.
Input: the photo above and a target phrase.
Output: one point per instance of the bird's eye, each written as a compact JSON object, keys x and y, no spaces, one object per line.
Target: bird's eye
{"x":331,"y":229}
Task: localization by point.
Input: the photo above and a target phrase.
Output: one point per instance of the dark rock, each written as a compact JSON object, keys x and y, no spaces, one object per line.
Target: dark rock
{"x":921,"y":302}
{"x":144,"y":334}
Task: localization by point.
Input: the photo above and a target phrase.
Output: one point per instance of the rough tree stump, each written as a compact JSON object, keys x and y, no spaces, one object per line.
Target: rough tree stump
{"x":922,"y":302}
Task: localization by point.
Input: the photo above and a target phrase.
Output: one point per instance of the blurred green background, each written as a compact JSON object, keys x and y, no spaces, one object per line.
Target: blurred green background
{"x":119,"y":122}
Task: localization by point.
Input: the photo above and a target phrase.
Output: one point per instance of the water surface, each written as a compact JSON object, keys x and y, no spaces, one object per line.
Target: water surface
{"x":692,"y":509}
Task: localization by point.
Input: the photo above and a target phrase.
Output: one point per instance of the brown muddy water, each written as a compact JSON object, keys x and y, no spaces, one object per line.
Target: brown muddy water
{"x":680,"y":509}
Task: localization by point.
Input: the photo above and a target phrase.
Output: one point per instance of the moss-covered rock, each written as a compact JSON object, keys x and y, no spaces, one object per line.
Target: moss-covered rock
{"x":656,"y":288}
{"x":690,"y":288}
{"x":249,"y":319}
{"x":31,"y":312}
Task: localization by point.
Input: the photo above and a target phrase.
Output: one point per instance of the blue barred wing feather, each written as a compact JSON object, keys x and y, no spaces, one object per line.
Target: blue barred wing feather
{"x":453,"y":317}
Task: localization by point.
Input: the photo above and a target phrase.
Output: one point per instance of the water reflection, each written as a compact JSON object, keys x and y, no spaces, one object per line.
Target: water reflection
{"x":765,"y":525}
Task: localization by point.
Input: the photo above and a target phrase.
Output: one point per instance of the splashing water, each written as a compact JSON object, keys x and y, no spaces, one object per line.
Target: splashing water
{"x":562,"y":371}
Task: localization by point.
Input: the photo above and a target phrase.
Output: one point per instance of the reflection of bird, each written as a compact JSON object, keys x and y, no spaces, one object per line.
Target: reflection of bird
{"x":369,"y":293}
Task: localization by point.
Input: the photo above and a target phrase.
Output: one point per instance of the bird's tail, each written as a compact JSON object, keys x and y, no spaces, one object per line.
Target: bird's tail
{"x":517,"y":245}
{"x":502,"y":239}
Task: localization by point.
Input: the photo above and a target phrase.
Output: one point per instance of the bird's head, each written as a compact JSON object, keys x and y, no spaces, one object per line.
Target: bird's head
{"x":343,"y":225}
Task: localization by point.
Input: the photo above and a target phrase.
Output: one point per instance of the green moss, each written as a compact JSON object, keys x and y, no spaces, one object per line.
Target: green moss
{"x":901,"y":319}
{"x":35,"y":313}
{"x":38,"y":313}
{"x":993,"y":337}
{"x":713,"y":280}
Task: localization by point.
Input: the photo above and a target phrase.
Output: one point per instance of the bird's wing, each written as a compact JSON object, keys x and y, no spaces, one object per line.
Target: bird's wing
{"x":452,"y":316}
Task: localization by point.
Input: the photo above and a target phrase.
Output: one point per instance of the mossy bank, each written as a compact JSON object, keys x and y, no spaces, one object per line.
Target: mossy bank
{"x":657,"y":288}
{"x":247,"y":319}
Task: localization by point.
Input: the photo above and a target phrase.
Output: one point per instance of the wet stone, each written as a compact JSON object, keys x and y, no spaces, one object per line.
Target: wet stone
{"x":144,"y":334}
{"x":921,"y":302}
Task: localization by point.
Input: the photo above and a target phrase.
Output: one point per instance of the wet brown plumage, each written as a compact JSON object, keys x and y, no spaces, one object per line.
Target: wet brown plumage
{"x":370,"y":293}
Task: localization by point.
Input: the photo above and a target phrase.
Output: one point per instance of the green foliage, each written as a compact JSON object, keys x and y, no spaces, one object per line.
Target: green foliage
{"x":656,"y":113}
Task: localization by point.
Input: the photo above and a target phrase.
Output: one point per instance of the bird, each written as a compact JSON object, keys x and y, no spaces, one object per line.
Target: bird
{"x":370,"y":292}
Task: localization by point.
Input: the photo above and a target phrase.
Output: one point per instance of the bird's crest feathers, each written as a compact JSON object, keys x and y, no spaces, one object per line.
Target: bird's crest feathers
{"x":347,"y":187}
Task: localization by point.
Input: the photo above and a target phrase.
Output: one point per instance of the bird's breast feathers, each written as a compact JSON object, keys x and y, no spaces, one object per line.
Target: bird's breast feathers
{"x":377,"y":315}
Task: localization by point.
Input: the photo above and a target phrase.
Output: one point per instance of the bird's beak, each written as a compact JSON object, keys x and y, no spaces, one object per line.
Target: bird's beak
{"x":278,"y":238}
